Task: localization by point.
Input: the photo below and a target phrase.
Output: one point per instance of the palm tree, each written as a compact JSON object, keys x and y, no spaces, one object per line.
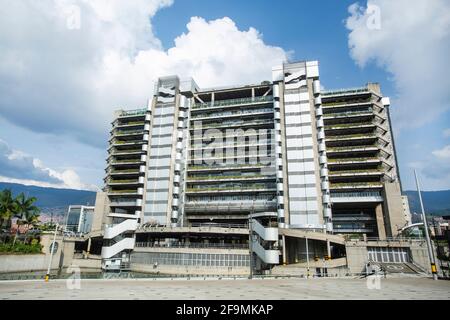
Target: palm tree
{"x":26,"y":212}
{"x":8,"y":207}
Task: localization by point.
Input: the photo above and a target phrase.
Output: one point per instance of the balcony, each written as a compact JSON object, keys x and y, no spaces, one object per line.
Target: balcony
{"x":213,"y":178}
{"x":235,"y":206}
{"x":129,"y":124}
{"x":346,"y":114}
{"x":116,"y":143}
{"x":356,"y":197}
{"x":237,"y":123}
{"x":228,"y":114}
{"x":224,"y":167}
{"x":233,"y":102}
{"x":124,"y":172}
{"x":354,"y":160}
{"x":135,"y":151}
{"x":229,"y":145}
{"x":125,"y":202}
{"x":131,"y":192}
{"x":356,"y":185}
{"x":126,"y":162}
{"x":120,"y":182}
{"x":248,"y":188}
{"x":358,"y":136}
{"x":352,"y":173}
{"x":351,"y":149}
{"x":123,"y":133}
{"x":133,"y":113}
{"x":355,"y":125}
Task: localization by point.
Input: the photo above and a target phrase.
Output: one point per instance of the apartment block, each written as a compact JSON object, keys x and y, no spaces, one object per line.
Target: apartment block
{"x":236,"y":176}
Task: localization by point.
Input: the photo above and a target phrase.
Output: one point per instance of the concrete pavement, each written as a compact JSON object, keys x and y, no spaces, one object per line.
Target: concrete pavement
{"x":239,"y":289}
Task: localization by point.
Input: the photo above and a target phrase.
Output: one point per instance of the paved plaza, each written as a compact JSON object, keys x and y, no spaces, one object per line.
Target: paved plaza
{"x":240,"y":289}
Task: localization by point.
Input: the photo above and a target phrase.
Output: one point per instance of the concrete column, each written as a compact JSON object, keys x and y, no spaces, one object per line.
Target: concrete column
{"x":380,"y":222}
{"x":89,"y":245}
{"x":328,"y":249}
{"x":284,"y":249}
{"x":253,"y":94}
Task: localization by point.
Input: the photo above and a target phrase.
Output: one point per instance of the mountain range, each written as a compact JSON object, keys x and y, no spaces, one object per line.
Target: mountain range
{"x":435,"y":202}
{"x":51,"y":197}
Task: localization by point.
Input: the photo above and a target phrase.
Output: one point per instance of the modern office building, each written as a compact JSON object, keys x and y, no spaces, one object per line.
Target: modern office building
{"x":79,"y":219}
{"x":196,"y":175}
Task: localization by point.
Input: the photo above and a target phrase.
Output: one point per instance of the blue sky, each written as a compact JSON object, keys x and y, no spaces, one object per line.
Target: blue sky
{"x":62,"y":77}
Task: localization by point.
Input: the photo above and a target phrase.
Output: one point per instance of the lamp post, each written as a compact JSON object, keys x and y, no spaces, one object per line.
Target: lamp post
{"x":427,"y":236}
{"x":52,"y":245}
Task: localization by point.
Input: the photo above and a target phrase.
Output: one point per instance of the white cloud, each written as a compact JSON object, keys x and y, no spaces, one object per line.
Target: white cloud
{"x":413,"y":44}
{"x":59,"y":80}
{"x":446,"y":133}
{"x":442,"y":154}
{"x":18,"y":167}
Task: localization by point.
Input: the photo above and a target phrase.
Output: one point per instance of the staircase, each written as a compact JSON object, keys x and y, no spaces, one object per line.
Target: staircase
{"x":119,"y":246}
{"x":269,"y":237}
{"x":113,"y":231}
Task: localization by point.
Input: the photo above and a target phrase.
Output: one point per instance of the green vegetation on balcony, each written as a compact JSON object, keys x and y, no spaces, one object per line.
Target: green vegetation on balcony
{"x":125,"y":161}
{"x":233,"y":113}
{"x":352,"y":159}
{"x":236,"y":123}
{"x":348,"y":125}
{"x":131,"y":123}
{"x":123,"y":191}
{"x":138,"y":112}
{"x":355,"y":184}
{"x":350,"y":136}
{"x":379,"y":170}
{"x":128,"y":132}
{"x":125,"y":171}
{"x":123,"y":181}
{"x":348,"y":113}
{"x":216,"y":177}
{"x":350,"y":148}
{"x":116,"y":152}
{"x":233,"y":188}
{"x":214,"y":166}
{"x":126,"y":141}
{"x":229,"y":102}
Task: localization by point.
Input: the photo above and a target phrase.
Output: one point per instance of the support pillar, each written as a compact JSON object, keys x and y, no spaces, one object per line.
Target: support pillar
{"x":88,"y":246}
{"x":328,"y":249}
{"x":283,"y":240}
{"x":380,"y":222}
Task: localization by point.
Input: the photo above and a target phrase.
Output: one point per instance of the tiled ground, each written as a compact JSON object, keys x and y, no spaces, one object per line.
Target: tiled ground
{"x":239,"y":289}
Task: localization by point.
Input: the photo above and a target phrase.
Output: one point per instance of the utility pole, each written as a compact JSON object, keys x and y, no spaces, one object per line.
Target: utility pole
{"x":427,"y":236}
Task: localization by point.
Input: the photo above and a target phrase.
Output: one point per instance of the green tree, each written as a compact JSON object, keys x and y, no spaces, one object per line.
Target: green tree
{"x":26,"y":212}
{"x":8,"y":207}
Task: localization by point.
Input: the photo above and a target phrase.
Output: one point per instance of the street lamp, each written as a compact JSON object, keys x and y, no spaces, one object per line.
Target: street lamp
{"x":52,"y":248}
{"x":427,"y":236}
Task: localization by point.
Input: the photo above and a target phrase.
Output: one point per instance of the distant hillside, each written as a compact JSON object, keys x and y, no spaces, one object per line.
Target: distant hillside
{"x":52,"y":197}
{"x":435,"y":202}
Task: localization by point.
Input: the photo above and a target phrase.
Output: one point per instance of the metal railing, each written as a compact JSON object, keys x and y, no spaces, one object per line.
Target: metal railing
{"x":355,"y":194}
{"x":221,"y":225}
{"x":233,"y":113}
{"x":229,"y":102}
{"x":192,"y":245}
